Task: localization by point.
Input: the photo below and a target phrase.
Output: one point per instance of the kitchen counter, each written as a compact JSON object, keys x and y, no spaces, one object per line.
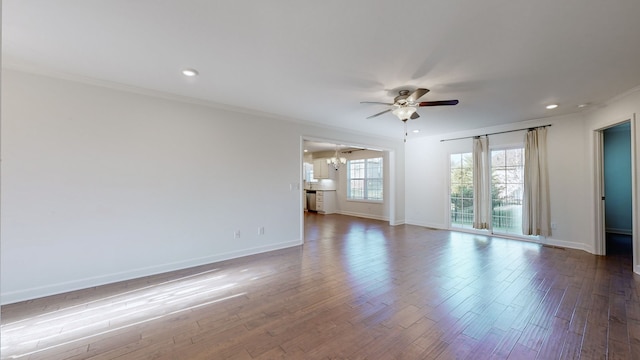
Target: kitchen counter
{"x":324,"y":200}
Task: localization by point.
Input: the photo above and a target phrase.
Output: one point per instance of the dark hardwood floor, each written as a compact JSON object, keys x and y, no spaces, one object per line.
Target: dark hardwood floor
{"x":357,"y":289}
{"x":619,"y":244}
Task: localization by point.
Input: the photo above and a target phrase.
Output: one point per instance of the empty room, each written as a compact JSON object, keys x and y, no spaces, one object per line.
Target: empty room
{"x":319,"y":180}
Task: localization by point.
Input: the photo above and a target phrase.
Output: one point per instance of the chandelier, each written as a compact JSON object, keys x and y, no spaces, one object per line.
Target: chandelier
{"x":337,"y":160}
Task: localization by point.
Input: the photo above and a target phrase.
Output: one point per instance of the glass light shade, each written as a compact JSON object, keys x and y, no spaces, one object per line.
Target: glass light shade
{"x":404,"y":112}
{"x":336,"y":161}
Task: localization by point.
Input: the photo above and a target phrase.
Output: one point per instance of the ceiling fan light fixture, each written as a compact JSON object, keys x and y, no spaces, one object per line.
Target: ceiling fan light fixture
{"x":404,"y":112}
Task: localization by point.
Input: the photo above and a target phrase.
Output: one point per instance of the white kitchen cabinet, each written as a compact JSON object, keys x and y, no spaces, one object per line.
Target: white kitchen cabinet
{"x":321,"y":169}
{"x":326,"y":202}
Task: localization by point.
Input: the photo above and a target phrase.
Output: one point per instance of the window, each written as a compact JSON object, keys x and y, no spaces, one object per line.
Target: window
{"x":308,"y":172}
{"x":461,"y":190}
{"x":507,"y":187}
{"x":364,"y":179}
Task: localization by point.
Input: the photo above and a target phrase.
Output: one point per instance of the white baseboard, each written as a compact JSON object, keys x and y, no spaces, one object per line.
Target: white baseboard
{"x":363,"y":215}
{"x":569,"y":245}
{"x":427,"y":225}
{"x":62,"y":287}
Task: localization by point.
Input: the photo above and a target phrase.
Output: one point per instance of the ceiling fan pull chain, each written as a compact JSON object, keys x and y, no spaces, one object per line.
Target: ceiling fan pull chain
{"x":405,"y":130}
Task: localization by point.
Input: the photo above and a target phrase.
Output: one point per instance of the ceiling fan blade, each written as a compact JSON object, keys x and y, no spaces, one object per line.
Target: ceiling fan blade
{"x":414,"y":116}
{"x":375,"y":102}
{"x":438,"y":103}
{"x":378,"y":114}
{"x":417,"y":94}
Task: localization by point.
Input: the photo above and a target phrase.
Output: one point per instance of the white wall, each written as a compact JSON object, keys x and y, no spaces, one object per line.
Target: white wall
{"x":100,"y":185}
{"x":427,"y":176}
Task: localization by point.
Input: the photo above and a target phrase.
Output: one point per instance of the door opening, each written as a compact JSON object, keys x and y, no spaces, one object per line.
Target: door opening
{"x":616,"y":192}
{"x":329,"y":183}
{"x":618,"y":213}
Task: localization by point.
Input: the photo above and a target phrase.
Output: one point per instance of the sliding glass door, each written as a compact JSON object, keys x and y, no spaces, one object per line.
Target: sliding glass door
{"x":507,"y":176}
{"x":507,"y":186}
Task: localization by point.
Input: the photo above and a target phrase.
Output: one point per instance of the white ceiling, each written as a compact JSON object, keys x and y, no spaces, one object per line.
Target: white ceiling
{"x":316,"y":60}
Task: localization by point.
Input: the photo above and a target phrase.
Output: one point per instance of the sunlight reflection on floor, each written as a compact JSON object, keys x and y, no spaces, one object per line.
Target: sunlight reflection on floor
{"x":113,"y":313}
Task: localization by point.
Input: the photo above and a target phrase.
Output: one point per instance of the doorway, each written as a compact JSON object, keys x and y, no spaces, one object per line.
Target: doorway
{"x":318,"y":151}
{"x":616,"y":160}
{"x":616,"y":225}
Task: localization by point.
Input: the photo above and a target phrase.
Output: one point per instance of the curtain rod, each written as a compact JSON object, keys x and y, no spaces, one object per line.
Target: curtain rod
{"x":496,"y":133}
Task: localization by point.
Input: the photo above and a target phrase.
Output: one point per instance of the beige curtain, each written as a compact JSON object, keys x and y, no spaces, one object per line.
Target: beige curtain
{"x":535,"y":204}
{"x":481,"y":188}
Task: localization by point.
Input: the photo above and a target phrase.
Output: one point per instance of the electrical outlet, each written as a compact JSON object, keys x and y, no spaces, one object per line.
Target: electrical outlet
{"x":554,"y":225}
{"x":261,"y":230}
{"x":236,"y":234}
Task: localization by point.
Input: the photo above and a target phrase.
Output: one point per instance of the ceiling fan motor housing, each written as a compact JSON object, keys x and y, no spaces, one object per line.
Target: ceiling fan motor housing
{"x":401,"y":99}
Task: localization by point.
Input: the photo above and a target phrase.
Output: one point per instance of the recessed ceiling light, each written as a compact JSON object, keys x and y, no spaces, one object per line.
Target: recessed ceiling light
{"x":305,"y":150}
{"x":582,"y":106}
{"x":552,"y":106}
{"x":189,"y":72}
{"x":416,"y":131}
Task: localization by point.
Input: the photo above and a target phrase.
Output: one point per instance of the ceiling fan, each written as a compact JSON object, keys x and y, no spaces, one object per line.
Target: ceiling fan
{"x":404,"y":105}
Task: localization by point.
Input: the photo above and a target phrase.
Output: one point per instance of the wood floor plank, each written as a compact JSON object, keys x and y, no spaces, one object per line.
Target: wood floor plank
{"x":572,"y":346}
{"x":594,"y":344}
{"x":357,"y":289}
{"x":553,"y":343}
{"x":568,"y":303}
{"x":487,"y":345}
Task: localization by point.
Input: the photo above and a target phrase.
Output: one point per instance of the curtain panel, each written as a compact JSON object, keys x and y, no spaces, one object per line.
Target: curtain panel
{"x":535,"y":204}
{"x":481,"y":185}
